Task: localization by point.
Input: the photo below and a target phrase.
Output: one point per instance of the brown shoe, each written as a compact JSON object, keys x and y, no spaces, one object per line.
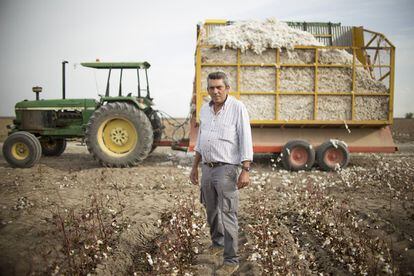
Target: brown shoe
{"x":215,"y":250}
{"x":227,"y":269}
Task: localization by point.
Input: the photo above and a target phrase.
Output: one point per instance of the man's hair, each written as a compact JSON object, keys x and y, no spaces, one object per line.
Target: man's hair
{"x":218,"y":76}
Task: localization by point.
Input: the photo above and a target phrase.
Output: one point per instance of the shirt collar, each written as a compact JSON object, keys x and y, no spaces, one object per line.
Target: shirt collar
{"x":211,"y":103}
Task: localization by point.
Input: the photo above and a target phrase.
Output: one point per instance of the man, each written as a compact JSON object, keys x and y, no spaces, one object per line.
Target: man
{"x":224,"y":143}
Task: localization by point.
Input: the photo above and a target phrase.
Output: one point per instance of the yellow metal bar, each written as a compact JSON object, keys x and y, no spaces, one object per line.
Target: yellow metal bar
{"x":371,"y":40}
{"x":381,"y":35}
{"x":199,"y":98}
{"x":383,"y":77}
{"x":353,"y":85}
{"x":238,"y":74}
{"x":358,"y":42}
{"x":391,"y":87}
{"x":318,"y":122}
{"x":220,"y":64}
{"x":378,"y":48}
{"x":292,"y":65}
{"x":373,"y":94}
{"x":236,"y":93}
{"x":215,"y":21}
{"x":373,"y":66}
{"x":277,"y":87}
{"x":315,"y":99}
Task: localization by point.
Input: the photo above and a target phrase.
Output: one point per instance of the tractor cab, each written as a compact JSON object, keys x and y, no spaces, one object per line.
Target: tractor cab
{"x":143,"y":101}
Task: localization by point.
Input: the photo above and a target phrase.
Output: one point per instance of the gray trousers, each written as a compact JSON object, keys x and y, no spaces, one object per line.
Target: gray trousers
{"x":220,"y":197}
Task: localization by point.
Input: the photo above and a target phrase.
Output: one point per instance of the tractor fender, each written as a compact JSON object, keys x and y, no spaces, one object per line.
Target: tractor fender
{"x":140,"y":105}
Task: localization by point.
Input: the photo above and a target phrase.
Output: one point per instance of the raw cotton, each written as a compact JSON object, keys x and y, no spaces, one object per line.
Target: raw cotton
{"x":259,"y":36}
{"x":294,"y":79}
{"x":258,"y":79}
{"x":257,"y":41}
{"x":295,"y":107}
{"x":371,"y":108}
{"x":334,"y":107}
{"x":334,"y":80}
{"x":266,"y":103}
{"x":266,"y":57}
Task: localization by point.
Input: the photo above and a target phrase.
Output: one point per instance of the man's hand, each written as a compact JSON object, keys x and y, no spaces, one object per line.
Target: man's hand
{"x":194,"y":175}
{"x":244,"y":180}
{"x":194,"y":170}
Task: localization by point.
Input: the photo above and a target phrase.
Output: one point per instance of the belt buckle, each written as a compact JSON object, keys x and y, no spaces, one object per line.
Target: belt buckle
{"x":210,"y":164}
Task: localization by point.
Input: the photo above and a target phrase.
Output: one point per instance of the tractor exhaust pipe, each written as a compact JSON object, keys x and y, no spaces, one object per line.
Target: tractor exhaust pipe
{"x":64,"y":79}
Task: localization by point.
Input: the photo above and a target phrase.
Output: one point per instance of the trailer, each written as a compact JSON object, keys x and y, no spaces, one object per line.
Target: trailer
{"x":314,"y":136}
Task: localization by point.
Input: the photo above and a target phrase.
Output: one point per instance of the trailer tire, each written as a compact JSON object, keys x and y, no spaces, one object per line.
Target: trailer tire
{"x":119,"y":134}
{"x":52,"y":146}
{"x":22,"y":149}
{"x":332,"y":155}
{"x":297,"y":155}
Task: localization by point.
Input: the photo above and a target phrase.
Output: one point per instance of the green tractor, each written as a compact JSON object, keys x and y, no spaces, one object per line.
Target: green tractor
{"x":119,"y":131}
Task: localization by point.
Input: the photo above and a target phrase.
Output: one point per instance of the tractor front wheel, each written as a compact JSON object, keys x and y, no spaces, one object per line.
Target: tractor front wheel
{"x":22,"y":149}
{"x":119,"y":135}
{"x":52,"y":146}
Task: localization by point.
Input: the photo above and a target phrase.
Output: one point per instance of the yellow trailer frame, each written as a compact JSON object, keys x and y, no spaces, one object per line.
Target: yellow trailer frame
{"x":359,"y":52}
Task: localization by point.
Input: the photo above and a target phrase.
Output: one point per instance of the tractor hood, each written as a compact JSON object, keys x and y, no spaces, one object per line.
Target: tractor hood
{"x":58,"y":104}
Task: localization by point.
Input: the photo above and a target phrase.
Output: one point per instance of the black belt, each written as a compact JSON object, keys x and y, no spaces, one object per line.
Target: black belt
{"x":215,"y":164}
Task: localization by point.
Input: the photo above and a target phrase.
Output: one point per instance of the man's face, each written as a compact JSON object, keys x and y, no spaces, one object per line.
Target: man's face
{"x":217,"y":90}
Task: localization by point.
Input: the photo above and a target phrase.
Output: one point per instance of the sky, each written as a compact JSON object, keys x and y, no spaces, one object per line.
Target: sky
{"x":37,"y":35}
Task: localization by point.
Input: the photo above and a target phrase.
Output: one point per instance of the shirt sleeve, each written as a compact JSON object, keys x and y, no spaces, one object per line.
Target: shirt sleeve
{"x":245,"y":135}
{"x":197,"y":146}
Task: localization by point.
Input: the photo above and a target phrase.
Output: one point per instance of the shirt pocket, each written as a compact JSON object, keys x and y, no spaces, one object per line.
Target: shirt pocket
{"x":227,"y":133}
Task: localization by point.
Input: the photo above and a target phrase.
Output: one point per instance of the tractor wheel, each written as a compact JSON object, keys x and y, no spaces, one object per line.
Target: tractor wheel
{"x":157,"y":127}
{"x":119,"y":135}
{"x":52,"y":146}
{"x":298,"y":155}
{"x":22,"y":149}
{"x":332,"y":155}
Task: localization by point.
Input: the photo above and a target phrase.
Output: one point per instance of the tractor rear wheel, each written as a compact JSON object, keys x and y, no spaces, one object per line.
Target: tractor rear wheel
{"x":52,"y":146}
{"x":119,"y":135}
{"x":298,"y":155}
{"x":22,"y":149}
{"x":332,"y":155}
{"x":157,"y":127}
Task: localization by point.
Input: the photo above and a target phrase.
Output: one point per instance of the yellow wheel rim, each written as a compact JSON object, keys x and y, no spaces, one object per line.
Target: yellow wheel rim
{"x":20,"y":151}
{"x":117,"y":136}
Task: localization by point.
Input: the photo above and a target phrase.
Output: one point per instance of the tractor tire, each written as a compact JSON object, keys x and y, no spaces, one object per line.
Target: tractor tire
{"x":297,"y":155}
{"x":332,"y":155}
{"x":52,"y":146}
{"x":119,"y":135}
{"x":157,"y":127}
{"x":22,"y":149}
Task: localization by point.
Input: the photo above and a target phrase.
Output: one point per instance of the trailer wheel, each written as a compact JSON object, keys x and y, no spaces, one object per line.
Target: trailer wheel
{"x":52,"y":146}
{"x":22,"y":149}
{"x":119,"y":135}
{"x":332,"y":155}
{"x":298,"y":155}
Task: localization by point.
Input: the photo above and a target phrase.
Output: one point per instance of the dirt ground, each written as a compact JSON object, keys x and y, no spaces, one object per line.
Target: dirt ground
{"x":377,"y":189}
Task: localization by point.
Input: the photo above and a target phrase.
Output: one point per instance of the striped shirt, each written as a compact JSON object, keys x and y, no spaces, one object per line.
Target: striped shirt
{"x":225,"y":136}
